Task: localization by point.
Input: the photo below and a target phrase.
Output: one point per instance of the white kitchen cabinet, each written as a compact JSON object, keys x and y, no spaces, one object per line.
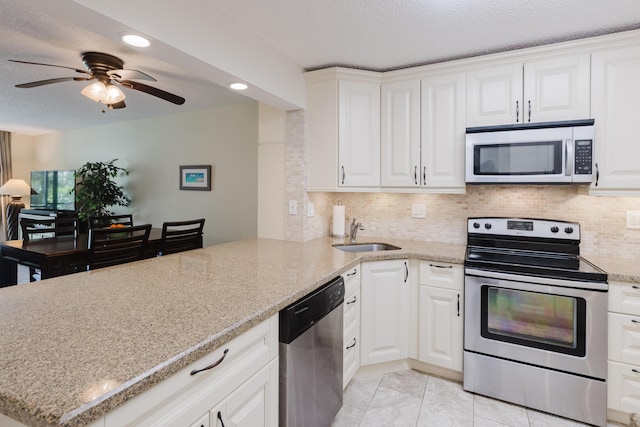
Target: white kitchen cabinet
{"x":441,"y":315}
{"x":540,"y":90}
{"x":351,"y":336}
{"x":623,"y":388}
{"x":243,"y":387}
{"x":400,"y":134}
{"x":443,"y":132}
{"x":343,"y":108}
{"x":615,"y":93}
{"x":384,"y":324}
{"x":252,"y":404}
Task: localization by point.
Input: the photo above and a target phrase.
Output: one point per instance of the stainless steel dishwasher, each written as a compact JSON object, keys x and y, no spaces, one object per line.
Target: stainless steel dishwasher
{"x":311,"y":358}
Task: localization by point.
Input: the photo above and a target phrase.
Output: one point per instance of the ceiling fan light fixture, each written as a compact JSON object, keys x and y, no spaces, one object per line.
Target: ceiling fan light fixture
{"x":107,"y":94}
{"x":135,"y":40}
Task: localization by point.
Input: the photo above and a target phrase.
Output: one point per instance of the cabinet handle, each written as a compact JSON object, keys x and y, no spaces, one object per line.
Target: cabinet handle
{"x":415,"y":175}
{"x":440,"y":266}
{"x":458,"y":305}
{"x":597,"y":174}
{"x":352,"y":345}
{"x":342,"y":174}
{"x":517,"y":112}
{"x":635,"y":287}
{"x":353,"y":301}
{"x":635,"y":321}
{"x":220,"y":418}
{"x":213,"y":365}
{"x":355,"y":271}
{"x":424,"y":175}
{"x":529,"y":110}
{"x":635,"y":371}
{"x":406,"y":272}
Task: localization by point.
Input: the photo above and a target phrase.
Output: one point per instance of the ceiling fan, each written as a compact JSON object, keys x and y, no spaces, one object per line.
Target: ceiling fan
{"x":106,"y":70}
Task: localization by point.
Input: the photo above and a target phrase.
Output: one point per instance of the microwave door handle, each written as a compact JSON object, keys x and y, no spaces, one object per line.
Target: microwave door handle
{"x":568,"y":161}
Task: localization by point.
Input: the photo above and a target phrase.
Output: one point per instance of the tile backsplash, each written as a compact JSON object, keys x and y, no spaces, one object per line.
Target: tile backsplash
{"x":602,"y":219}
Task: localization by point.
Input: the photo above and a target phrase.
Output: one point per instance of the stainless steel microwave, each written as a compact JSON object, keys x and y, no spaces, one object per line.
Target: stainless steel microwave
{"x":532,"y":153}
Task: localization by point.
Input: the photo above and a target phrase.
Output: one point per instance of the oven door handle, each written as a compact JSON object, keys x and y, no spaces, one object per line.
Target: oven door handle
{"x":592,"y":286}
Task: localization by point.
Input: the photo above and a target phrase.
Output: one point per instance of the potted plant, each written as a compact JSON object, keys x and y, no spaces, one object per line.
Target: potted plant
{"x":96,"y":190}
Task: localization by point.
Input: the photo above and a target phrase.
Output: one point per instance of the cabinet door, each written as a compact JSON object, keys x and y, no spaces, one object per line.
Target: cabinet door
{"x":443,"y":131}
{"x":557,"y":89}
{"x":615,"y":89}
{"x":384,"y":327}
{"x":494,"y":95}
{"x":400,"y":139}
{"x":441,"y":327}
{"x":359,"y":134}
{"x":254,"y":404}
{"x":624,"y":338}
{"x":623,"y":388}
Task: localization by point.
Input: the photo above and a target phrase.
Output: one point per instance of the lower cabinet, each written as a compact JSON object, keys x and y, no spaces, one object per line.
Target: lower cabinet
{"x":242,"y":390}
{"x":351,"y":336}
{"x":441,"y":315}
{"x":384,"y":324}
{"x":623,"y":389}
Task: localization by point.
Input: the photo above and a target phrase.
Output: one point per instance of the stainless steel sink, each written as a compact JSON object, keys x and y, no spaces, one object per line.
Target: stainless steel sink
{"x":365,"y":247}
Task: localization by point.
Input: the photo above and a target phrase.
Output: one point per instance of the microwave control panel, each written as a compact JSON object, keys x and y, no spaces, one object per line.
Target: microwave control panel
{"x":584,"y":156}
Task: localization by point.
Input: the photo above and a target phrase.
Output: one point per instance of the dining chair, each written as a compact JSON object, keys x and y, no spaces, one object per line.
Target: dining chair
{"x":47,"y":227}
{"x":178,"y":236}
{"x":112,"y":246}
{"x":106,"y":221}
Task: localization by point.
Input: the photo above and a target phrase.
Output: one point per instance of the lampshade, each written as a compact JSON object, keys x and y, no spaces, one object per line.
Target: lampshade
{"x":15,"y":187}
{"x":105,"y":93}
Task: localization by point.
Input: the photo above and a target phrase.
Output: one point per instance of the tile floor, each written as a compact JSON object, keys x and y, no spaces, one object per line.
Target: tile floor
{"x":413,"y":399}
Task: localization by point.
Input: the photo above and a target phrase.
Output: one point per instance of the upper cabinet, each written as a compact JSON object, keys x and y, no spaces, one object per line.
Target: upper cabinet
{"x":616,"y":91}
{"x":343,"y":117}
{"x":550,"y":89}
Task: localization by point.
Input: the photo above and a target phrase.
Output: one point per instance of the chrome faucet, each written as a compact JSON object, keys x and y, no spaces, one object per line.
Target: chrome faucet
{"x":355,"y":226}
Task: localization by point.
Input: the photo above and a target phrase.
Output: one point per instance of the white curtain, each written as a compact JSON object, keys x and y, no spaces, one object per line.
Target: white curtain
{"x":5,"y":175}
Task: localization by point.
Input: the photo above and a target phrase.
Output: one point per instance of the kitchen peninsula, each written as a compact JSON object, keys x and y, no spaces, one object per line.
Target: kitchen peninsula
{"x":77,"y":347}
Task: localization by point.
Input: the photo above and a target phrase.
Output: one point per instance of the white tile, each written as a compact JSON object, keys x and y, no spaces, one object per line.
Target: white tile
{"x":445,"y":403}
{"x":409,"y":381}
{"x":359,"y":392}
{"x":392,"y":408}
{"x":499,"y":411}
{"x":348,"y":417}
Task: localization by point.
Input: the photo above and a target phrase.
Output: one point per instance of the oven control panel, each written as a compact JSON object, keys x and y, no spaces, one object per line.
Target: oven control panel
{"x":524,"y":227}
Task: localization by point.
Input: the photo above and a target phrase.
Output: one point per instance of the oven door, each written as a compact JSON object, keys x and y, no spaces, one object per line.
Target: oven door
{"x":562,"y":325}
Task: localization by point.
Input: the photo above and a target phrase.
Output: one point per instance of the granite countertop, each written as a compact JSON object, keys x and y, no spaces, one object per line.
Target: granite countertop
{"x":73,"y":348}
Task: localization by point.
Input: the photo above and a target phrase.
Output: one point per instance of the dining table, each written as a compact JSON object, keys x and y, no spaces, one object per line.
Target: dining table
{"x":56,"y":256}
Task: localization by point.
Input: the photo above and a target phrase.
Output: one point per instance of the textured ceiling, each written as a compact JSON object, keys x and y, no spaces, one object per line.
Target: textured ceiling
{"x":370,"y":34}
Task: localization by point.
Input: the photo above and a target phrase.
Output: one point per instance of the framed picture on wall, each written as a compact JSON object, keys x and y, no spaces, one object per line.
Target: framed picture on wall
{"x":195,"y":177}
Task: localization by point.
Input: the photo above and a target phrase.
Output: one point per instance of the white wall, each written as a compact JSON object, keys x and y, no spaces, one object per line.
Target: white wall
{"x":272,"y":125}
{"x":153,"y":150}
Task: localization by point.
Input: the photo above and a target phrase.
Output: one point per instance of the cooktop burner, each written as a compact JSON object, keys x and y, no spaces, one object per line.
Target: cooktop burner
{"x":532,"y":247}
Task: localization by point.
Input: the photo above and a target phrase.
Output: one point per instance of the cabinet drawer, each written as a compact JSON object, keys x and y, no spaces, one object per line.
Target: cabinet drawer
{"x":183,"y":398}
{"x":351,"y":281}
{"x":351,"y":315}
{"x":624,"y":338}
{"x":624,"y":298}
{"x":441,"y":275}
{"x":623,"y":390}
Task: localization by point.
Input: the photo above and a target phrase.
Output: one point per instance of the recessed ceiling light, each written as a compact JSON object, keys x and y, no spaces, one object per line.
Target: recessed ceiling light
{"x":238,"y":86}
{"x":135,"y":40}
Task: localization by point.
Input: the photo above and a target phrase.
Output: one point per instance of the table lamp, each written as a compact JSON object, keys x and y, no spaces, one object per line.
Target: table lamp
{"x":15,"y":188}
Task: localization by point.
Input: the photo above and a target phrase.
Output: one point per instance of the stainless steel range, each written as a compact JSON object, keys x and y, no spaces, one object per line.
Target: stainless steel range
{"x":535,"y":327}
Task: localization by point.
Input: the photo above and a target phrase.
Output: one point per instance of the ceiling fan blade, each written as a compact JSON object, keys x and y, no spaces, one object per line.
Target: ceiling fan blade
{"x":119,"y":75}
{"x":49,"y":81}
{"x":77,"y":70}
{"x":117,"y":105}
{"x":178,"y":100}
